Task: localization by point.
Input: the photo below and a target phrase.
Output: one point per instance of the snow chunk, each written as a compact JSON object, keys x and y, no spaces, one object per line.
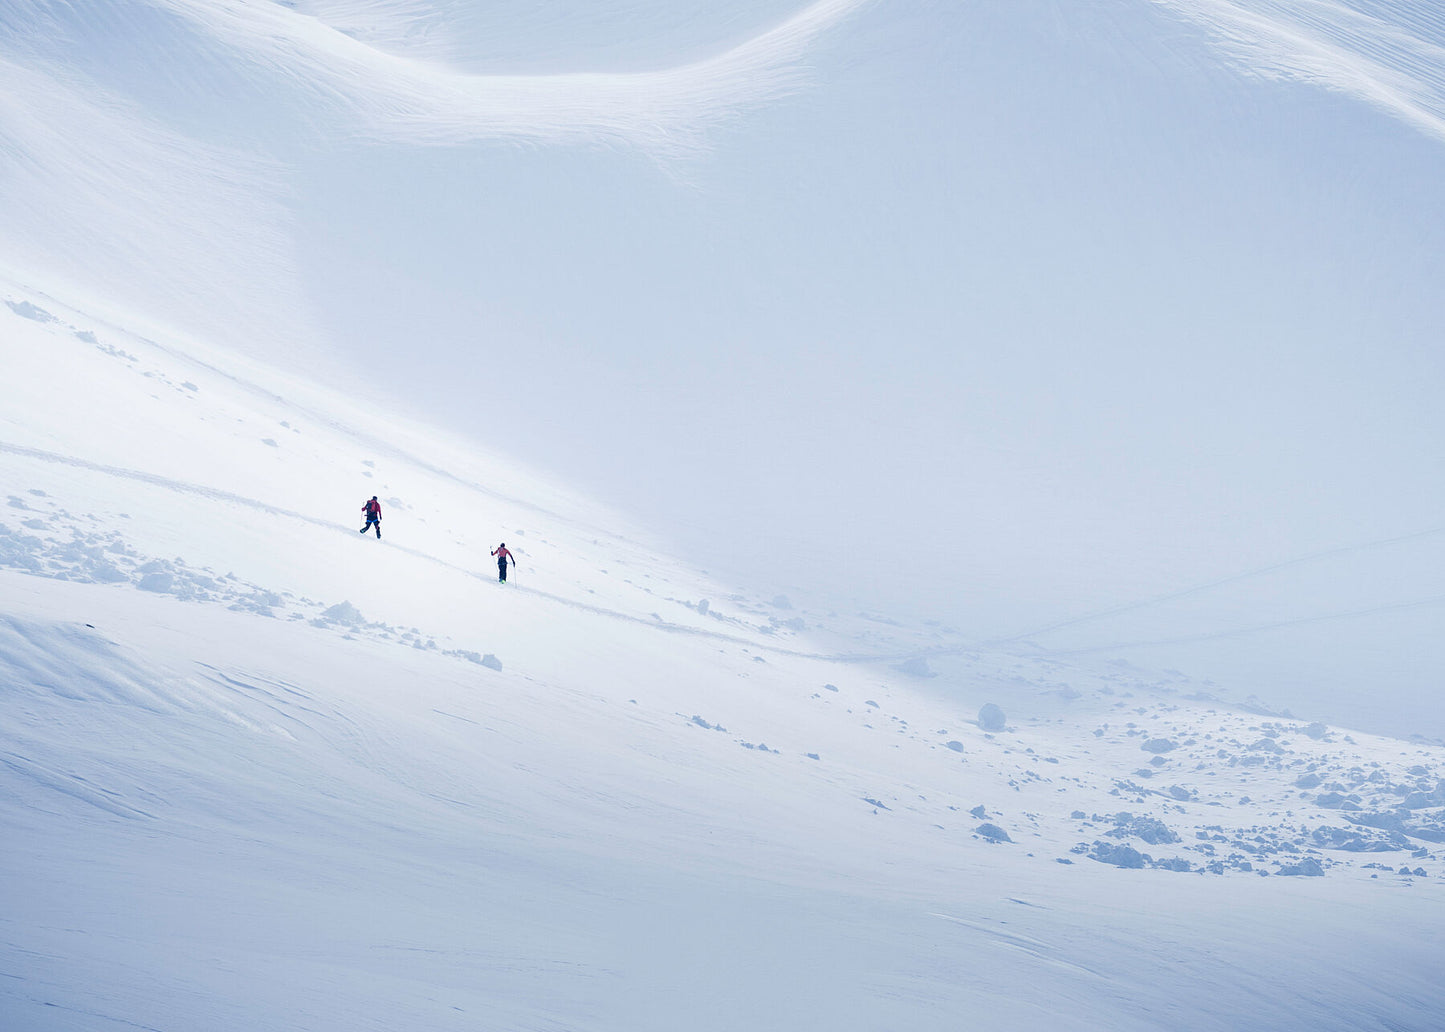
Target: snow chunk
{"x":159,"y":582}
{"x":342,"y":613}
{"x":1150,"y":829}
{"x":991,"y":718}
{"x":28,"y":311}
{"x":1119,"y":855}
{"x":916,"y":667}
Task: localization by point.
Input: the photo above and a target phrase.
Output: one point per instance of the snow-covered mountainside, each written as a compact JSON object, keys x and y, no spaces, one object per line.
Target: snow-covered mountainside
{"x":258,"y":771}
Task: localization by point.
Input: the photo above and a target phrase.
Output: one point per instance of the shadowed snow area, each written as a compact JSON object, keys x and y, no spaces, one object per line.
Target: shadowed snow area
{"x":261,"y":771}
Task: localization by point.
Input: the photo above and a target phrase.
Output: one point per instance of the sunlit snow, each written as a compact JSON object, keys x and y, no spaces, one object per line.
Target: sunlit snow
{"x":262,"y":772}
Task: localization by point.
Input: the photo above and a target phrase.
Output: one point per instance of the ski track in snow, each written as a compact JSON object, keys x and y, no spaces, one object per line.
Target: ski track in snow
{"x":232,"y":498}
{"x":321,"y":820}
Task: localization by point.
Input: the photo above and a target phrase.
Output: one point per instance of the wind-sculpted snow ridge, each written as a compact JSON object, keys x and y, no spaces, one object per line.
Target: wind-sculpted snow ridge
{"x":262,"y":771}
{"x":1389,"y":53}
{"x":90,"y":152}
{"x":358,"y":70}
{"x":390,"y":95}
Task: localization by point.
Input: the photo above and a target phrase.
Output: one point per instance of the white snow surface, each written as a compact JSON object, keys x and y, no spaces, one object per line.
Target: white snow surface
{"x":1388,"y":53}
{"x":260,"y":772}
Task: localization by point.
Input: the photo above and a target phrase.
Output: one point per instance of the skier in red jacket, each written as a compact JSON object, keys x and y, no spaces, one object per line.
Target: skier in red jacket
{"x":502,"y":556}
{"x":372,"y":509}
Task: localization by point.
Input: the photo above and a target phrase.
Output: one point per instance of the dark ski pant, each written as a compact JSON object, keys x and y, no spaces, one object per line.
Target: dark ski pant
{"x":502,"y":570}
{"x":370,"y":523}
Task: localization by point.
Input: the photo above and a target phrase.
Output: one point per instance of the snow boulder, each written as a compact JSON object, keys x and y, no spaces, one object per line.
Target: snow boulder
{"x":1422,"y":800}
{"x":1354,"y":841}
{"x":26,"y":310}
{"x":342,"y":613}
{"x":159,"y":582}
{"x":104,"y":572}
{"x":991,"y":718}
{"x":1427,"y":830}
{"x":1149,"y":829}
{"x":1383,"y":821}
{"x":915,"y":667}
{"x":1174,"y":863}
{"x":1118,"y":855}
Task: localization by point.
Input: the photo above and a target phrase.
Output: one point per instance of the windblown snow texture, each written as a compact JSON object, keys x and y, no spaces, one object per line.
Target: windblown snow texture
{"x":263,"y":773}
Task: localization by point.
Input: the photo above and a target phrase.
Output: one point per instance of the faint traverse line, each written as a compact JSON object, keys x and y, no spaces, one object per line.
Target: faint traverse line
{"x":216,"y":494}
{"x":355,"y":432}
{"x":1221,"y":582}
{"x":1434,"y":600}
{"x":156,"y":480}
{"x":699,"y":632}
{"x":184,"y":487}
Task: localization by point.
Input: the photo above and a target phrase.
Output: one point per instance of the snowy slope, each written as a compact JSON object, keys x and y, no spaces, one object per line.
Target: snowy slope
{"x":257,"y":771}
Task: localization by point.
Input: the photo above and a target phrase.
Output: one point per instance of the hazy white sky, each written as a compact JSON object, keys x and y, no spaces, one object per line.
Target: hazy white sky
{"x":999,"y":313}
